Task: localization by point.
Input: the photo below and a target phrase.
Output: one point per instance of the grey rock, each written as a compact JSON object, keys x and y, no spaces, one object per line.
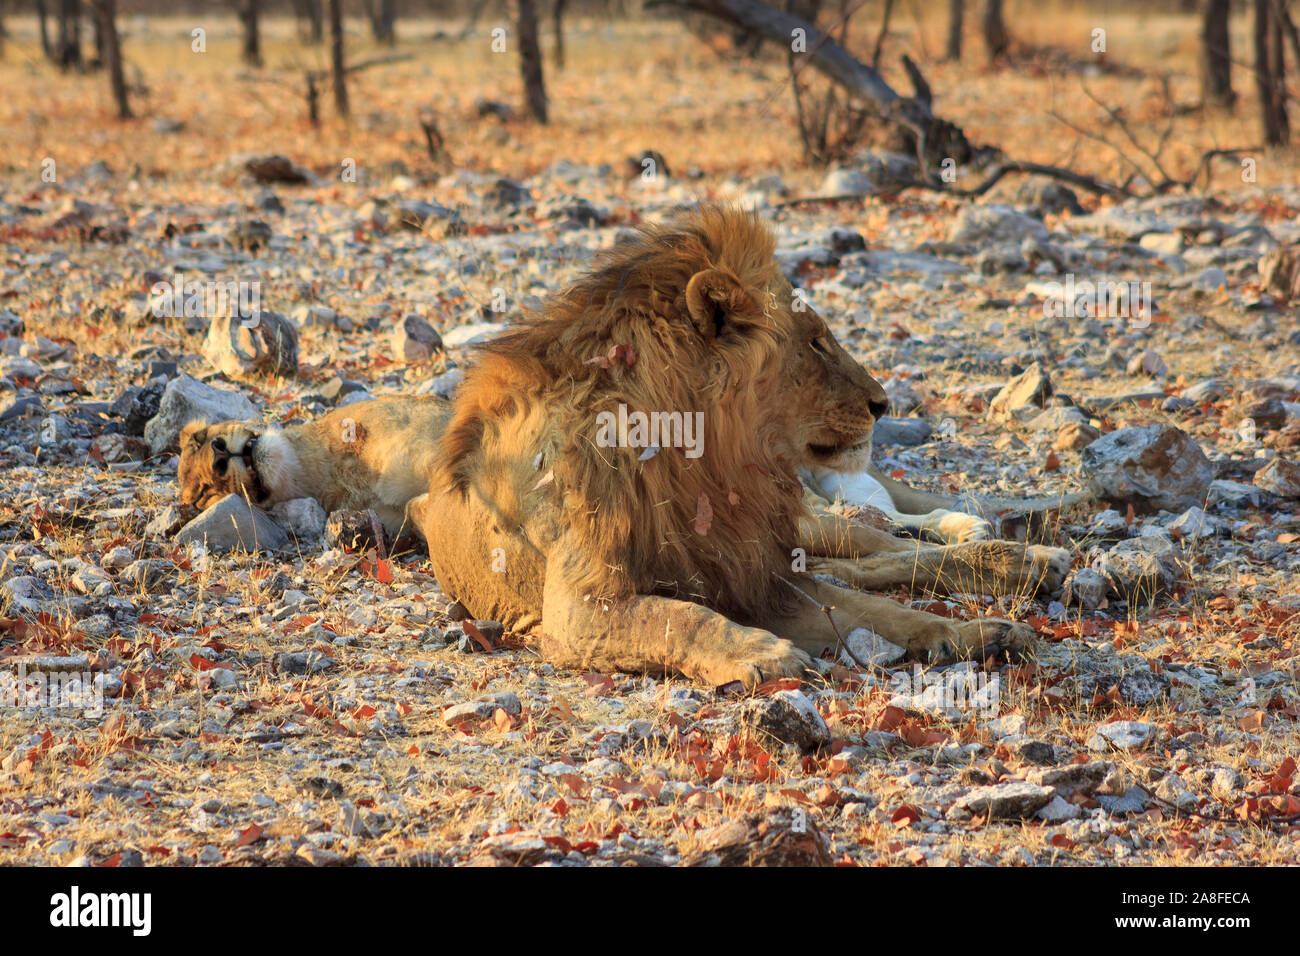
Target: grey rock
{"x":1123,"y":735}
{"x":1150,"y":466}
{"x":135,"y":406}
{"x":186,"y":399}
{"x":147,"y":573}
{"x":1134,"y":800}
{"x":232,"y":525}
{"x":1073,"y":778}
{"x":303,"y":662}
{"x":303,"y":518}
{"x":1280,"y":477}
{"x":868,"y":647}
{"x":1002,"y":801}
{"x":1030,"y":389}
{"x":843,"y":181}
{"x":1141,"y":568}
{"x":1138,"y":688}
{"x":415,"y":340}
{"x":994,"y":223}
{"x":1058,"y":810}
{"x":892,"y":430}
{"x":264,"y":343}
{"x":790,"y":717}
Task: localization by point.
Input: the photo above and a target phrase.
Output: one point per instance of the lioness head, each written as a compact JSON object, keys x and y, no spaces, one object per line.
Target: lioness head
{"x":217,"y":460}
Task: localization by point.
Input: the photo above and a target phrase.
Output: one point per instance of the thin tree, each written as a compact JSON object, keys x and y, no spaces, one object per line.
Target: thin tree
{"x":42,"y":13}
{"x":956,"y":12}
{"x":4,"y":32}
{"x":338,"y":72}
{"x":106,"y":16}
{"x":994,"y":28}
{"x":249,"y":12}
{"x":557,"y":27}
{"x":383,"y":20}
{"x":1216,"y":54}
{"x":310,"y":13}
{"x":70,"y":33}
{"x":530,"y":60}
{"x":1270,"y":72}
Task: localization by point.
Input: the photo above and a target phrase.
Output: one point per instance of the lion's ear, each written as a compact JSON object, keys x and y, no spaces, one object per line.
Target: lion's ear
{"x":713,"y":298}
{"x":190,"y":430}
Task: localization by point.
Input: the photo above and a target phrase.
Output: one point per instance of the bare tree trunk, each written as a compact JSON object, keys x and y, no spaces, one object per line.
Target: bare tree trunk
{"x":4,"y":33}
{"x":98,"y":61}
{"x":249,"y":16}
{"x":69,"y":33}
{"x":1216,"y":54}
{"x":956,"y":12}
{"x":42,"y":14}
{"x":309,"y":13}
{"x":530,"y":60}
{"x":106,"y":16}
{"x":338,"y":71}
{"x":994,"y":26}
{"x":1270,"y":73}
{"x":916,"y":127}
{"x":383,"y":19}
{"x":557,"y":25}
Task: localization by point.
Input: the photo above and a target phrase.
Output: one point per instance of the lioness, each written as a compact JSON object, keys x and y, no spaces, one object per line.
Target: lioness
{"x":376,"y":454}
{"x":642,"y":558}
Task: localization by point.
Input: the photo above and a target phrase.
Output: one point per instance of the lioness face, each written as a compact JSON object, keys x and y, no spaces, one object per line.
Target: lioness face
{"x":831,"y":426}
{"x":217,"y":460}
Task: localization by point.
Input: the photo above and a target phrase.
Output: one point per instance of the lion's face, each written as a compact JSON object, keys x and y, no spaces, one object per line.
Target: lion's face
{"x":820,"y":405}
{"x":839,"y":401}
{"x":217,"y":460}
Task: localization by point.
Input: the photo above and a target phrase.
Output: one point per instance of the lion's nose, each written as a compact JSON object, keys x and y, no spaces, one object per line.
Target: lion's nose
{"x":219,"y":445}
{"x":878,"y":407}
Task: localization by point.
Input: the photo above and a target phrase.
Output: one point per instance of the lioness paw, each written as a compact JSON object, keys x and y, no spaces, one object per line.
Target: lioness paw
{"x":1051,"y":565}
{"x":957,"y":527}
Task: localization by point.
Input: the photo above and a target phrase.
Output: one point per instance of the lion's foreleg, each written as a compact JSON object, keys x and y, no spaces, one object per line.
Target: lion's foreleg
{"x":658,"y":635}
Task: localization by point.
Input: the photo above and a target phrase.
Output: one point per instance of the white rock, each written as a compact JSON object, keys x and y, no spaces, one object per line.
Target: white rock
{"x":1124,"y":734}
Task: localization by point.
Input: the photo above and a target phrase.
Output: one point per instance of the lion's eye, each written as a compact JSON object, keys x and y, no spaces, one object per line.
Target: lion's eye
{"x":820,"y":346}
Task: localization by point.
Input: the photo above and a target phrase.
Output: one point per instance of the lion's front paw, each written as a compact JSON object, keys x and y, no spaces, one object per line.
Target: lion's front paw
{"x":1050,"y":565}
{"x":957,"y":527}
{"x":756,"y":659}
{"x":985,"y":636}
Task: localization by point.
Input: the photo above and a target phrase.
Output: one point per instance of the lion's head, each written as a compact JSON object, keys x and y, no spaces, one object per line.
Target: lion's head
{"x":217,"y":460}
{"x":687,"y":318}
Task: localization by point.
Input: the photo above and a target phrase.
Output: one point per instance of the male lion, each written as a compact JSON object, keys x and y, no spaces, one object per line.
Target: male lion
{"x":635,"y":557}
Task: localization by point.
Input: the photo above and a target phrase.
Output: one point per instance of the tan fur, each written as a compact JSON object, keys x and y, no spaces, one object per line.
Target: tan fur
{"x":375,"y":454}
{"x":665,"y":563}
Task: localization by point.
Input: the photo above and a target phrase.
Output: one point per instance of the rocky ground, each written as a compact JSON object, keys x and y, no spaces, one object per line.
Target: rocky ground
{"x":308,"y":704}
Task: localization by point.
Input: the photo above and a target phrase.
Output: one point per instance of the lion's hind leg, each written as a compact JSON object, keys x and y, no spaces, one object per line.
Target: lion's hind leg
{"x":923,"y":635}
{"x":982,"y":567}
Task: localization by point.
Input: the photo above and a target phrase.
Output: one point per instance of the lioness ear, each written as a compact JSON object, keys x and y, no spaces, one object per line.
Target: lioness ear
{"x":189,"y":431}
{"x":712,"y":298}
